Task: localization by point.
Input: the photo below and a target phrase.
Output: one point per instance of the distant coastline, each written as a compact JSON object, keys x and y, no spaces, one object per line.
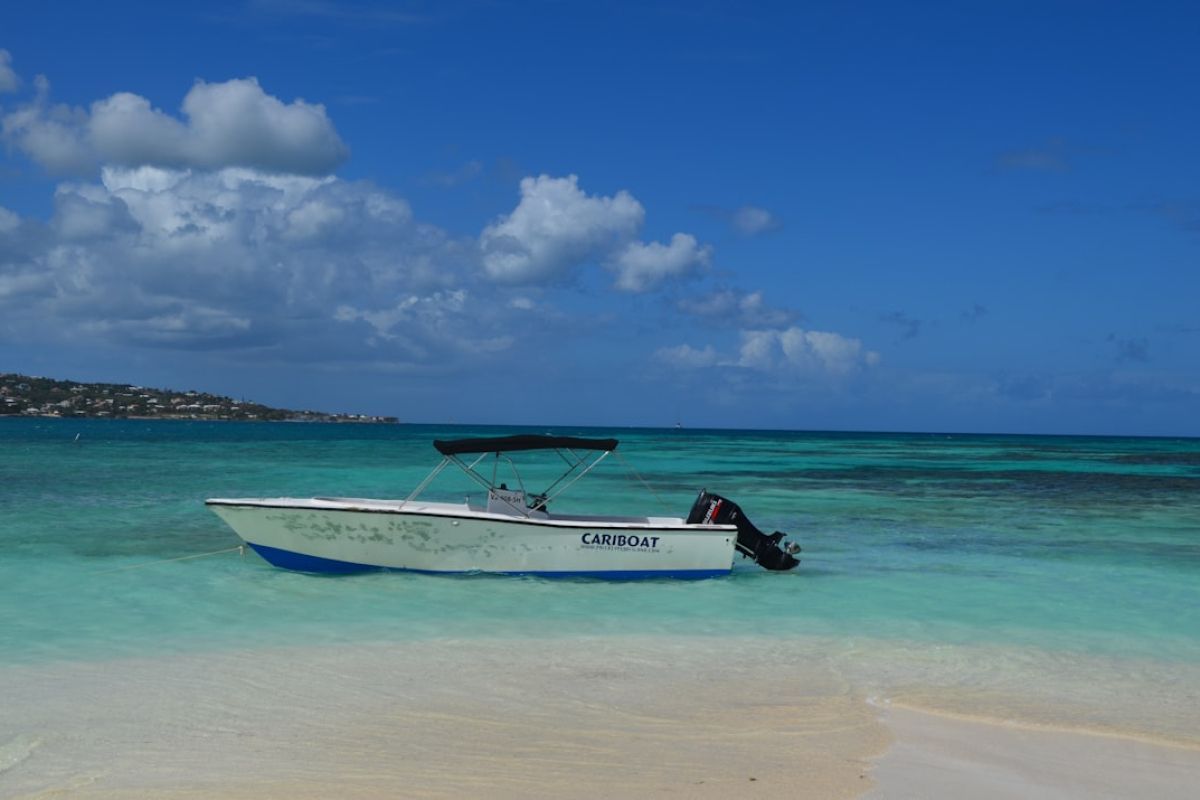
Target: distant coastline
{"x":32,"y":396}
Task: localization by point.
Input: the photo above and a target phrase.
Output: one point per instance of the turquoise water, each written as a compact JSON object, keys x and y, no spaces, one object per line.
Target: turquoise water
{"x":1084,"y":546}
{"x":1042,"y":579}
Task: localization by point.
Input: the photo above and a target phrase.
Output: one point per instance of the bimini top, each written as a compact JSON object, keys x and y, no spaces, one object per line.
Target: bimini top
{"x":528,"y":441}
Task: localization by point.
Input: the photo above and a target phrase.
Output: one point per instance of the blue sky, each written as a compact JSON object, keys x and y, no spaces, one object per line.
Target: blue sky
{"x":862,"y":216}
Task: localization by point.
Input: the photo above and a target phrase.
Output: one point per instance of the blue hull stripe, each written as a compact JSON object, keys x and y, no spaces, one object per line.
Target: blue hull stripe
{"x":302,"y":563}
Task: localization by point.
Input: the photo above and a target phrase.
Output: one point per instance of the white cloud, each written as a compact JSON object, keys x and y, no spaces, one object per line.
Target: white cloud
{"x":52,"y":135}
{"x":124,"y":129}
{"x":314,"y":218}
{"x":554,"y":228}
{"x":752,"y":220}
{"x":9,"y":82}
{"x":781,"y":350}
{"x":827,"y":351}
{"x":230,"y":124}
{"x":759,"y":350}
{"x":236,"y":123}
{"x":82,"y":214}
{"x":796,"y":348}
{"x":557,"y":227}
{"x":221,"y":228}
{"x":809,"y":351}
{"x":640,"y":267}
{"x":159,"y":256}
{"x":291,"y":267}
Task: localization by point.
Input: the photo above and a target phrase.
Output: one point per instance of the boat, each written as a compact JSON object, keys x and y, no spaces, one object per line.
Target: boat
{"x":515,"y":532}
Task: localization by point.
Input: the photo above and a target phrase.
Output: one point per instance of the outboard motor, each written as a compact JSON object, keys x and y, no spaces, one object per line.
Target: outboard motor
{"x":712,"y":509}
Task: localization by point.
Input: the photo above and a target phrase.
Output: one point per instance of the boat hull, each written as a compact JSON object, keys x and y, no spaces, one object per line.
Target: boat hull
{"x":335,"y":538}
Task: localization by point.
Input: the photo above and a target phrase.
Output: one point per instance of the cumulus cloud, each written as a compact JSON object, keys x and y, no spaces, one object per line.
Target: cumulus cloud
{"x":811,"y":350}
{"x":783,"y":350}
{"x":9,"y":82}
{"x":557,"y":227}
{"x":299,"y":266}
{"x":83,"y":215}
{"x":230,"y":124}
{"x":225,"y":258}
{"x":51,"y":135}
{"x":223,"y":228}
{"x":641,"y":266}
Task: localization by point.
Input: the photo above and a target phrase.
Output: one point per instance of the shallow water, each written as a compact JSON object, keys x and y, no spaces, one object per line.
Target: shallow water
{"x":980,"y":565}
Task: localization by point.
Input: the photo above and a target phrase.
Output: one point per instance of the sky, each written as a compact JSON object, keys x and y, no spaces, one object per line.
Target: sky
{"x":872,"y":216}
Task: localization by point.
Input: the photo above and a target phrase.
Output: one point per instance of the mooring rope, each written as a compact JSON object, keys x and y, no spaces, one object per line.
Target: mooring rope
{"x":241,"y":548}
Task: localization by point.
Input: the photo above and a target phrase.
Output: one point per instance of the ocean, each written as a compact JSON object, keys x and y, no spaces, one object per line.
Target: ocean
{"x":1051,"y":580}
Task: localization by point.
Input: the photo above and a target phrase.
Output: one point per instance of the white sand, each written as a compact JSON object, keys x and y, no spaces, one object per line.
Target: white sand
{"x":939,"y":756}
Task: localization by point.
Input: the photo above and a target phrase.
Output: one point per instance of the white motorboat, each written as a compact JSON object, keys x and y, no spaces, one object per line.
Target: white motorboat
{"x":514,"y":533}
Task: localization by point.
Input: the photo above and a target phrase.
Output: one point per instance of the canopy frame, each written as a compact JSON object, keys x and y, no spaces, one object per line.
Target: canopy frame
{"x":564,"y":446}
{"x":524,"y":441}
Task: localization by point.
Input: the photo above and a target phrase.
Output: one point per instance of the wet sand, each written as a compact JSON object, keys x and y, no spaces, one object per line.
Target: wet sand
{"x":586,"y":718}
{"x":613,"y":717}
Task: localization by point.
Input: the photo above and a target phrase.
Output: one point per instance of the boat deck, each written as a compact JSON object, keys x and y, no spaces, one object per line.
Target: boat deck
{"x":385,"y":506}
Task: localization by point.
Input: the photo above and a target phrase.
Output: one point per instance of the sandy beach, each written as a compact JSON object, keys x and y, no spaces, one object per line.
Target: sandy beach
{"x":935,"y":755}
{"x":604,"y":717}
{"x":598,"y":718}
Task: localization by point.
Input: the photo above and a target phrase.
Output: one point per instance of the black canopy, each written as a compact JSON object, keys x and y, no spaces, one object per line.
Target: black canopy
{"x":528,"y":441}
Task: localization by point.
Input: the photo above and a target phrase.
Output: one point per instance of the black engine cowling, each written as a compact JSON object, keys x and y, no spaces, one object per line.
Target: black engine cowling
{"x":712,"y":509}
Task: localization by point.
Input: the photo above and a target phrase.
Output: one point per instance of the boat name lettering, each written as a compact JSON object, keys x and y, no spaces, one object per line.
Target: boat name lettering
{"x":619,"y":540}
